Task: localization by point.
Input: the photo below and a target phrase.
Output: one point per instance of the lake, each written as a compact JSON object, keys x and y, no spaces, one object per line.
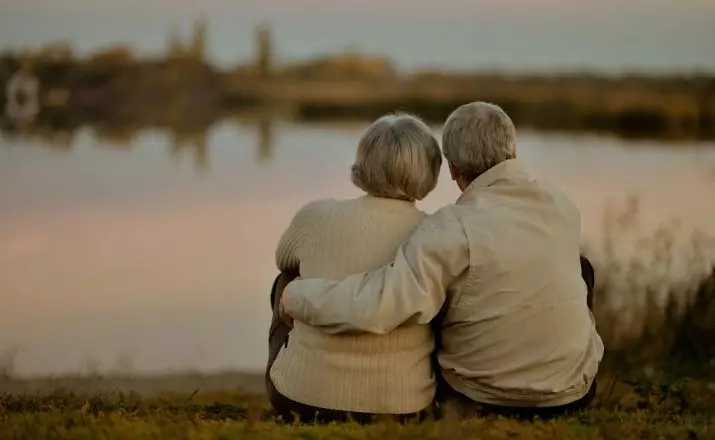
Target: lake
{"x":148,"y":255}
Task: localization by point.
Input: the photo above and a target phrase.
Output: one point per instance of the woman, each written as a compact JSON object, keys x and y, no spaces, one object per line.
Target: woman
{"x":319,"y":376}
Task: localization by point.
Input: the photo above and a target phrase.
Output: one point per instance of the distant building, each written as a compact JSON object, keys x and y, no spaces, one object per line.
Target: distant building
{"x":343,"y":65}
{"x":197,"y":50}
{"x":264,"y":49}
{"x":200,"y":39}
{"x":61,"y":51}
{"x":22,"y":97}
{"x":118,"y":54}
{"x":174,"y":46}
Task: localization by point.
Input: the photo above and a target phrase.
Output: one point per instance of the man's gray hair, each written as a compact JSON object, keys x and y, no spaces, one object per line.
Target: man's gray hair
{"x":476,"y":137}
{"x":398,"y":158}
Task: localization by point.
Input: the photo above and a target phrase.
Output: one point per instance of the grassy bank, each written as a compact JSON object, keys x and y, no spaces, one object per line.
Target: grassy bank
{"x":655,"y":294}
{"x":626,"y":408}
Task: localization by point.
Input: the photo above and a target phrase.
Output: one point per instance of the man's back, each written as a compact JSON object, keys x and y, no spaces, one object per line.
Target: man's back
{"x":516,"y":328}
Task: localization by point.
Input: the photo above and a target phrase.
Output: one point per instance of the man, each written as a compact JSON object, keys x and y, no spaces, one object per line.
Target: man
{"x":499,"y":274}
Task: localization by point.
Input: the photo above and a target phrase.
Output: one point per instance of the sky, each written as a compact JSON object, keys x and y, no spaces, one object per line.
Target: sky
{"x":607,"y":35}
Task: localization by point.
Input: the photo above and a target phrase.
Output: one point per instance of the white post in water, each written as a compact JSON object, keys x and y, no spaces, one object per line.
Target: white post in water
{"x":22,"y":95}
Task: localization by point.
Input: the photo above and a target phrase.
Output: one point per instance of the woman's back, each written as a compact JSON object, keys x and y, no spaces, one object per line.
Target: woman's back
{"x":361,"y":373}
{"x":355,"y":235}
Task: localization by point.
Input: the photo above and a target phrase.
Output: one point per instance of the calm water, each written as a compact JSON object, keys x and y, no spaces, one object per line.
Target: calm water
{"x":164,"y":255}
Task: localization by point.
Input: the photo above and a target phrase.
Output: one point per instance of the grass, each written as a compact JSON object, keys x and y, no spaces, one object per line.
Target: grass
{"x":655,"y":296}
{"x":656,"y":407}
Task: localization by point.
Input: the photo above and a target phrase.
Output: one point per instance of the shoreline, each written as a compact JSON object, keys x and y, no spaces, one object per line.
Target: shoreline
{"x":147,"y":384}
{"x":115,"y":90}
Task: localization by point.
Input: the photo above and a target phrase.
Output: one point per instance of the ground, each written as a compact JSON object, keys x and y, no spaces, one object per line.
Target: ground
{"x":645,"y":405}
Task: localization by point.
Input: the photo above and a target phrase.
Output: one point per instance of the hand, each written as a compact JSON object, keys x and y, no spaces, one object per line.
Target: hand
{"x":282,"y":282}
{"x":283,"y":312}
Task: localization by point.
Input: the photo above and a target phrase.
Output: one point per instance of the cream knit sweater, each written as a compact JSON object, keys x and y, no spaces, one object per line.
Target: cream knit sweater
{"x":380,"y":374}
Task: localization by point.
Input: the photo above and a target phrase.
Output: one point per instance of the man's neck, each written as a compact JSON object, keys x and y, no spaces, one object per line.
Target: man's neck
{"x":463,"y":184}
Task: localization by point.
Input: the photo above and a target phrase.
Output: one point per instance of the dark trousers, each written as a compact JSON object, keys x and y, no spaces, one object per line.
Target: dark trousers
{"x":464,"y":406}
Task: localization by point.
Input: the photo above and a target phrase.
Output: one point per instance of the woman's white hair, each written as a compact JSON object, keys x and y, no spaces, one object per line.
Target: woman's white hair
{"x":476,"y":137}
{"x":398,"y":158}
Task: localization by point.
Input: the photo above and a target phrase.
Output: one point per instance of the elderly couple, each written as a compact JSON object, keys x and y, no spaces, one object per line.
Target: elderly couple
{"x":483,"y":306}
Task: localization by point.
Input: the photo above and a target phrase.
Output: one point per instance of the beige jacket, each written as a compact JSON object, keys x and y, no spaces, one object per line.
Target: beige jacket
{"x":504,"y":261}
{"x":385,"y":374}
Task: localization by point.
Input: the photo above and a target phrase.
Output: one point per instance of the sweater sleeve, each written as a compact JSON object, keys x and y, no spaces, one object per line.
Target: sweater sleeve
{"x":287,"y":253}
{"x":411,"y":290}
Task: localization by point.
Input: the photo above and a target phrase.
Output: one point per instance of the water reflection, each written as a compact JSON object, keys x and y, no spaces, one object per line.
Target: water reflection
{"x":190,"y":140}
{"x":196,"y":143}
{"x":265,"y":138}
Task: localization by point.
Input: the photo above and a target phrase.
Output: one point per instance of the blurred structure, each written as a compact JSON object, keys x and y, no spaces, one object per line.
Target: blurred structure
{"x":196,"y":50}
{"x":116,"y":55}
{"x":21,"y":93}
{"x":265,"y":138}
{"x":196,"y":143}
{"x":265,"y":54}
{"x":174,"y":46}
{"x":348,"y":65}
{"x":58,"y":52}
{"x":200,"y":37}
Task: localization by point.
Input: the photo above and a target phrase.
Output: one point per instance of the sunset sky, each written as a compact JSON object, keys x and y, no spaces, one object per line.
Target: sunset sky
{"x":519,"y":34}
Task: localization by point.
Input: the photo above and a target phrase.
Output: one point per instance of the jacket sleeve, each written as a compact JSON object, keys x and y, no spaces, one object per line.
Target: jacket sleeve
{"x":409,"y":291}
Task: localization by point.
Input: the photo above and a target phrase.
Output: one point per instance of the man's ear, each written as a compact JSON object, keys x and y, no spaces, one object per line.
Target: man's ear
{"x":453,"y":171}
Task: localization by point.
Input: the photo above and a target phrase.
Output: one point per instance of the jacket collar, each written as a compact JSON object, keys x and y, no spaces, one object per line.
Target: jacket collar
{"x":507,"y":170}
